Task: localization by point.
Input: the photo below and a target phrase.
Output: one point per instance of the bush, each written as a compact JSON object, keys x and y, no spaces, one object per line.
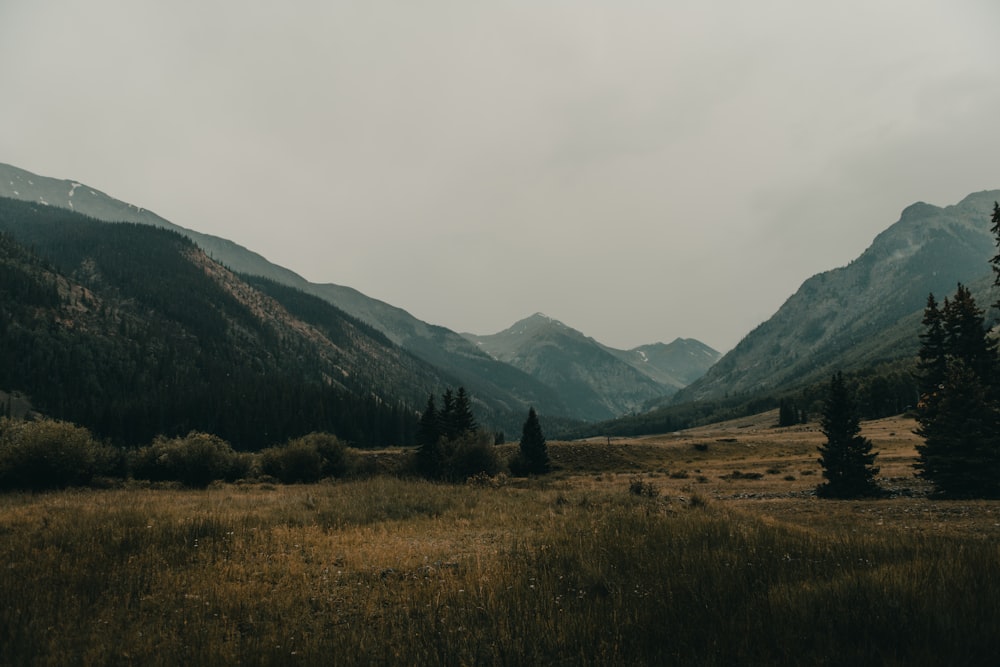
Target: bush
{"x":471,"y":455}
{"x":308,"y":459}
{"x":48,"y":454}
{"x":638,"y":487}
{"x":195,"y":460}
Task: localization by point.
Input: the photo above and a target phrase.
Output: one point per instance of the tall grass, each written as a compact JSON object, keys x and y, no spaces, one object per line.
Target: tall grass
{"x":388,"y":571}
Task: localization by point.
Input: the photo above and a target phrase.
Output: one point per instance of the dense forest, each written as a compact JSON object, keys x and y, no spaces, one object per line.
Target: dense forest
{"x":114,"y":327}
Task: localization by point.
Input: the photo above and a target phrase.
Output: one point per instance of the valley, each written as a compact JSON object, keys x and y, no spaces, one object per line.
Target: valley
{"x":708,"y":567}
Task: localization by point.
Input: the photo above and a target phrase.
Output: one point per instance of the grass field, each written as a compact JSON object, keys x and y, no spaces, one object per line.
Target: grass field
{"x":725,"y":558}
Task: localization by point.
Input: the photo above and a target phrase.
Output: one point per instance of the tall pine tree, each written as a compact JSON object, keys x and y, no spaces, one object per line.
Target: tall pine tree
{"x":996,"y":258}
{"x":959,"y":410}
{"x":430,"y":454}
{"x":847,"y":456}
{"x":533,"y":457}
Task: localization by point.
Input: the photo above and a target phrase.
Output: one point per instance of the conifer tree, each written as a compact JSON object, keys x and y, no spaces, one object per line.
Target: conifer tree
{"x":996,"y":258}
{"x":933,"y":364}
{"x":847,"y":456}
{"x":959,"y":411}
{"x":462,"y":419}
{"x":446,"y":417}
{"x":533,"y":457}
{"x":429,"y":450}
{"x":960,"y":454}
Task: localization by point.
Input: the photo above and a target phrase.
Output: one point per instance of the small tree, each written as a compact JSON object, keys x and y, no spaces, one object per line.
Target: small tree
{"x":847,"y":457}
{"x":533,"y":456}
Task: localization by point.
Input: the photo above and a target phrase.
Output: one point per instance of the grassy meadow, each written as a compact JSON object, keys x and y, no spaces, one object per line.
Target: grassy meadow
{"x":698,"y":548}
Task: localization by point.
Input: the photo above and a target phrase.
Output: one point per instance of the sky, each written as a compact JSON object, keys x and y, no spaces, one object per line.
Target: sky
{"x":639,"y":170}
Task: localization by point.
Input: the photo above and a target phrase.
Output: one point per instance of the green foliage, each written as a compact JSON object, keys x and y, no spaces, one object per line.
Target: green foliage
{"x":959,"y":410}
{"x":450,"y":445}
{"x":308,"y":459}
{"x":195,"y":460}
{"x":847,"y":456}
{"x":533,"y":452}
{"x":47,"y":454}
{"x":470,"y":455}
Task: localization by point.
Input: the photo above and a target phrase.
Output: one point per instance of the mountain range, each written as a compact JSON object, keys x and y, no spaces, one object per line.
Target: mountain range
{"x":864,"y":313}
{"x":598,"y":378}
{"x":502,"y":389}
{"x":850,"y":318}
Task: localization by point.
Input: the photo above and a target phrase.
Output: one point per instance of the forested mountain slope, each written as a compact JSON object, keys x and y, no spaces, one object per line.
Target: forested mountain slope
{"x":133,"y":331}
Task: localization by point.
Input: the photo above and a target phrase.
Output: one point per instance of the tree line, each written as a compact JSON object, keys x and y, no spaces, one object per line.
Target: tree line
{"x":451,"y":446}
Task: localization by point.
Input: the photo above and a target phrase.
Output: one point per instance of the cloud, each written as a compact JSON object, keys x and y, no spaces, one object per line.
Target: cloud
{"x":641,"y":170}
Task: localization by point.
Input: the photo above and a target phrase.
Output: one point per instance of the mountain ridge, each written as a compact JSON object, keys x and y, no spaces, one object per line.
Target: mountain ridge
{"x":606,"y":382}
{"x":855,"y":314}
{"x":502,"y":386}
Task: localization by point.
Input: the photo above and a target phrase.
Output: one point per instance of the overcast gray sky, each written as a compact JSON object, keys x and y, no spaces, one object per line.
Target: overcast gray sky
{"x":639,"y":170}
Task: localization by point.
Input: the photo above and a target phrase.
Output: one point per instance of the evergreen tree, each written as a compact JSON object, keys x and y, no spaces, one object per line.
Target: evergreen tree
{"x":446,"y":417}
{"x":462,"y":420}
{"x":996,"y":258}
{"x":534,"y":452}
{"x":429,"y":448}
{"x":789,"y":413}
{"x":847,"y":456}
{"x":960,"y":454}
{"x":959,"y":411}
{"x":933,"y":364}
{"x":966,"y":336}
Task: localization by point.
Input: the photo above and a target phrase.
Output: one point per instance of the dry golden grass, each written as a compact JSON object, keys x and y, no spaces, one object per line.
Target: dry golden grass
{"x":570,"y":569}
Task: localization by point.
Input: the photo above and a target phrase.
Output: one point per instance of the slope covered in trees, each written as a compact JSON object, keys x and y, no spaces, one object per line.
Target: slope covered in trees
{"x":132,"y":331}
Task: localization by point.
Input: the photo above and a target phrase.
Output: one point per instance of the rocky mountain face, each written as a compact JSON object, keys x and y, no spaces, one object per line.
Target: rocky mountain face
{"x":598,"y":381}
{"x":866,"y":312}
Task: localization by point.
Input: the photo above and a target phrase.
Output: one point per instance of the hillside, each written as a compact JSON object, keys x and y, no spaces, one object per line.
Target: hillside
{"x":866,"y":312}
{"x":133,"y":331}
{"x":504,"y":392}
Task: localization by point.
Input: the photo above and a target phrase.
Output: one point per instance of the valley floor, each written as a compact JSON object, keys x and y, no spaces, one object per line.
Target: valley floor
{"x":725,"y":558}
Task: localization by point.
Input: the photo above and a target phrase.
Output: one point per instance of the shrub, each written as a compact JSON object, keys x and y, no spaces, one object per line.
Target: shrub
{"x":474,"y":454}
{"x":48,"y":454}
{"x":308,"y":459}
{"x":637,"y":487}
{"x":195,"y":460}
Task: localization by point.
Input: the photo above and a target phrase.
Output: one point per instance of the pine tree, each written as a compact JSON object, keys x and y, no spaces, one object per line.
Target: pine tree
{"x":429,"y":450}
{"x":533,"y":457}
{"x":959,"y":411}
{"x":847,"y":456}
{"x":446,"y":417}
{"x":996,"y":258}
{"x":462,"y":419}
{"x":960,"y":454}
{"x":966,"y":336}
{"x":933,"y":364}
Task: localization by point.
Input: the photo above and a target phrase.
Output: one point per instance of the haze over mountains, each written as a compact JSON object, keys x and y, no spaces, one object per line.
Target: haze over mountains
{"x":587,"y":373}
{"x":847,"y":318}
{"x":501,"y":387}
{"x":868,"y":311}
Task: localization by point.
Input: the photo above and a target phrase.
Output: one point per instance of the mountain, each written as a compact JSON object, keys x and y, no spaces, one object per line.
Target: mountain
{"x":133,"y":331}
{"x":502,"y":391}
{"x":598,"y":381}
{"x":866,"y":312}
